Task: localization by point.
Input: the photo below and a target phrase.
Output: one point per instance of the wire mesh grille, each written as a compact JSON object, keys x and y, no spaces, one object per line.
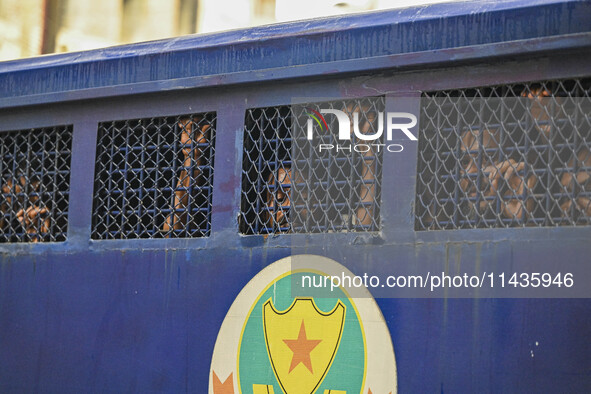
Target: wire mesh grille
{"x":505,"y":156}
{"x":35,"y":174}
{"x":289,"y":184}
{"x":154,"y":177}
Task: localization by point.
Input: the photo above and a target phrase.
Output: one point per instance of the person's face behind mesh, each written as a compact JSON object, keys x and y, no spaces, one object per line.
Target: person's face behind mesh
{"x":192,"y":132}
{"x":279,"y":199}
{"x":10,"y":188}
{"x":541,"y":109}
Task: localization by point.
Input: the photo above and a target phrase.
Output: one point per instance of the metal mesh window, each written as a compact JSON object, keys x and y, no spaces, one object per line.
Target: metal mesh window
{"x":154,"y":177}
{"x":505,"y":156}
{"x":290,"y":184}
{"x":35,"y":174}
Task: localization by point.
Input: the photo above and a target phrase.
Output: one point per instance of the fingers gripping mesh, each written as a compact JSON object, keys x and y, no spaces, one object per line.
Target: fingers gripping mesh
{"x":35,"y":175}
{"x":505,"y":156}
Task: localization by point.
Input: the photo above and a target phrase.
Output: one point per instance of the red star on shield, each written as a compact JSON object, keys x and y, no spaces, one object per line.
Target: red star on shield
{"x":301,"y":348}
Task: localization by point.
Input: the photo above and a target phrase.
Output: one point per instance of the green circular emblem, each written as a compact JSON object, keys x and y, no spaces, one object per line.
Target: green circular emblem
{"x":274,"y":342}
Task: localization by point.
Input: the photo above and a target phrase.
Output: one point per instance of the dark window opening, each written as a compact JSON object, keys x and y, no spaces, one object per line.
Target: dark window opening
{"x":505,"y":156}
{"x":35,"y":174}
{"x":154,"y":177}
{"x":291,"y":185}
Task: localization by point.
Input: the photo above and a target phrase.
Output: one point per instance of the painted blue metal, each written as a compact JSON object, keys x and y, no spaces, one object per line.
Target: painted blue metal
{"x":143,"y":315}
{"x":281,"y":50}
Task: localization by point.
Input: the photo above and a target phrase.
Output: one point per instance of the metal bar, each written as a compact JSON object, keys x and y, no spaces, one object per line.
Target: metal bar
{"x":156,"y":195}
{"x":140,"y":190}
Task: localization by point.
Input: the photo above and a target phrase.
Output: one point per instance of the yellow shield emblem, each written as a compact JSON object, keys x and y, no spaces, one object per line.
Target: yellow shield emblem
{"x":302,"y":342}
